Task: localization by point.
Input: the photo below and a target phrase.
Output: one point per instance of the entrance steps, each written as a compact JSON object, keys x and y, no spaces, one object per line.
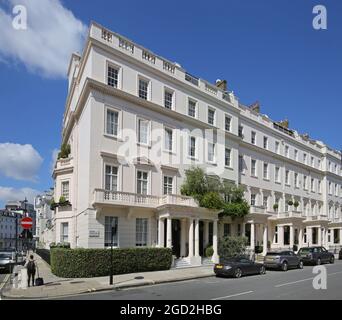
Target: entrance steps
{"x":207,"y":262}
{"x":182,"y":263}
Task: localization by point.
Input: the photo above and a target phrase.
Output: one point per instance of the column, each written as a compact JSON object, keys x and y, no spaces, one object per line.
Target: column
{"x":300,"y":238}
{"x":291,"y":236}
{"x":206,"y":233}
{"x":197,"y":238}
{"x":309,"y":236}
{"x":341,"y":236}
{"x":326,"y":244}
{"x":281,"y":236}
{"x":261,"y":201}
{"x":302,"y":206}
{"x":215,"y":257}
{"x":319,"y":229}
{"x":252,"y":236}
{"x":191,"y":237}
{"x":265,"y":240}
{"x":161,"y":233}
{"x":169,"y":232}
{"x":243,"y":229}
{"x":283,"y":203}
{"x":183,"y":238}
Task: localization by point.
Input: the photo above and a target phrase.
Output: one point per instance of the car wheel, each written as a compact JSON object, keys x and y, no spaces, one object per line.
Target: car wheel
{"x":332,"y":259}
{"x":284,"y":266}
{"x":300,"y":265}
{"x":238,"y":273}
{"x":262,"y":270}
{"x":319,"y":261}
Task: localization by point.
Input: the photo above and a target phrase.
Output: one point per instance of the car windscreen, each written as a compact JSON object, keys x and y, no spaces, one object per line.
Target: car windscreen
{"x":305,"y":250}
{"x":5,"y":255}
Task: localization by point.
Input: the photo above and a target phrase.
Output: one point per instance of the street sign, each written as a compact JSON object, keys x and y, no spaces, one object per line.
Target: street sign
{"x":26,"y":223}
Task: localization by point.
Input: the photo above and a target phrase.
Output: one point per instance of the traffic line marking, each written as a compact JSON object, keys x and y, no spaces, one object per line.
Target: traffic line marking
{"x":303,"y":280}
{"x":233,"y":295}
{"x":2,"y":284}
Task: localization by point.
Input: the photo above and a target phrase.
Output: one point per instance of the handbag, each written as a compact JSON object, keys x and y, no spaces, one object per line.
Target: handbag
{"x":39,"y":281}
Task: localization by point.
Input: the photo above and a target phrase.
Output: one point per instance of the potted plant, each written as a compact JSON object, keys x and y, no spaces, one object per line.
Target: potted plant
{"x":296,"y":204}
{"x":53,"y":205}
{"x":275,"y":207}
{"x":63,"y":202}
{"x":290,"y":203}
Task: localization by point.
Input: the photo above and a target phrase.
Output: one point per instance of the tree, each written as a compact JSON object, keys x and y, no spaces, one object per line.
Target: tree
{"x":213,"y":193}
{"x":231,"y":247}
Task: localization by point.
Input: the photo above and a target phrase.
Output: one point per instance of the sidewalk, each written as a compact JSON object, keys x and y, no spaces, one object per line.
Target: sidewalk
{"x":55,"y":287}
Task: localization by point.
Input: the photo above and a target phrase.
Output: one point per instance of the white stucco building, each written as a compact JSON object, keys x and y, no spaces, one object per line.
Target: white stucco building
{"x":135,"y":121}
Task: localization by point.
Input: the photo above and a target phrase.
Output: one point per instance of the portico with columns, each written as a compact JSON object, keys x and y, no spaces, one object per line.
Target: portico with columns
{"x":188,"y":231}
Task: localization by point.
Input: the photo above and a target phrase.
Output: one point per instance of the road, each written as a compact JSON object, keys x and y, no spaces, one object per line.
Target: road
{"x":275,"y":285}
{"x":3,"y":278}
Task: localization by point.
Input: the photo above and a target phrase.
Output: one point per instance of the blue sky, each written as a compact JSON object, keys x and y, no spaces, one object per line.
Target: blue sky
{"x":267,"y":50}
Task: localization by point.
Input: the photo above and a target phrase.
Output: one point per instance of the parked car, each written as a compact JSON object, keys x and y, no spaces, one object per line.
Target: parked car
{"x":6,"y":261}
{"x":237,"y":267}
{"x":316,"y":255}
{"x":283,"y":260}
{"x":340,"y":255}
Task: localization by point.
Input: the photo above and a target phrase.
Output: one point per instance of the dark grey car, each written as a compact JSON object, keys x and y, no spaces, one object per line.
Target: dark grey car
{"x":316,"y":255}
{"x":283,"y":260}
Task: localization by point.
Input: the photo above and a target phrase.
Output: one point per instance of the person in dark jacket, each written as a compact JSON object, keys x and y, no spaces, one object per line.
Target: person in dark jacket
{"x":31,"y":267}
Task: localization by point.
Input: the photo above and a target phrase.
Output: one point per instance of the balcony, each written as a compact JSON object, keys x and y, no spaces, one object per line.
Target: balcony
{"x":317,"y":218}
{"x":62,"y":164}
{"x":291,"y":214}
{"x":140,"y":200}
{"x":258,"y":209}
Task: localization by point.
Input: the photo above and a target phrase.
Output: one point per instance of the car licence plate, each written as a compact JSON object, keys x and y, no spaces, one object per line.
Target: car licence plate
{"x":219,"y":267}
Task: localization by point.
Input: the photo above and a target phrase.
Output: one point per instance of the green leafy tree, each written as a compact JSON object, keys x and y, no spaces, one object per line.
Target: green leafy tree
{"x":212,"y":193}
{"x":65,"y":151}
{"x":231,"y":247}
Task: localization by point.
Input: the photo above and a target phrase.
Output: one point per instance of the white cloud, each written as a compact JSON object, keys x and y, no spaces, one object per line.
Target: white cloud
{"x":12,"y":194}
{"x":52,"y":35}
{"x":20,"y":162}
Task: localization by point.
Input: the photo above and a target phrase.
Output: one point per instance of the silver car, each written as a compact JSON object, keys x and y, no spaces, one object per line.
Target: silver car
{"x":283,"y":260}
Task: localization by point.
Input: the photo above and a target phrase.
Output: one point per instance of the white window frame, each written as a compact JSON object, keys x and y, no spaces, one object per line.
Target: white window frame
{"x":63,"y":182}
{"x":214,"y":152}
{"x":167,"y":185}
{"x":265,"y":143}
{"x":194,"y":156}
{"x":196,"y":107}
{"x":143,"y":242}
{"x":64,"y":236}
{"x":110,"y":64}
{"x":149,"y":85}
{"x":172,"y":99}
{"x":116,"y":236}
{"x":287,"y":177}
{"x":229,"y":165}
{"x":277,"y":147}
{"x":254,"y":138}
{"x":172,"y":139}
{"x":148,"y":191}
{"x":211,"y":109}
{"x":255,"y":168}
{"x":111,"y":175}
{"x":119,"y":111}
{"x":277,"y":178}
{"x":148,"y":131}
{"x":267,"y":176}
{"x":225,"y":123}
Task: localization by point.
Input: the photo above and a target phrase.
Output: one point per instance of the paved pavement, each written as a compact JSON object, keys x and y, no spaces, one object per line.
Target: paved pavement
{"x":3,"y":279}
{"x":58,"y":287}
{"x":275,"y":285}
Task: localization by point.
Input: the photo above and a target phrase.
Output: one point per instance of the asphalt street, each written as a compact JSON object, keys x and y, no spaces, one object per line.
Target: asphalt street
{"x":275,"y":285}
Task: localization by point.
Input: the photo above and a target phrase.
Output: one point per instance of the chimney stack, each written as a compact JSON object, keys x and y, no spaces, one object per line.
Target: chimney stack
{"x":222,"y":84}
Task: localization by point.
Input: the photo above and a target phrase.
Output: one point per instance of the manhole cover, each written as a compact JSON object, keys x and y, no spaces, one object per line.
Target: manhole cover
{"x":139,"y":278}
{"x":74,"y":282}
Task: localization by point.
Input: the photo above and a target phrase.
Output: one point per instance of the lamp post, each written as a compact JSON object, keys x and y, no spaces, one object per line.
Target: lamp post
{"x":113,"y":231}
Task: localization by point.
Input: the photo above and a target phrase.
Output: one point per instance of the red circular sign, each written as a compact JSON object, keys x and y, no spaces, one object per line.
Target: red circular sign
{"x":26,"y":223}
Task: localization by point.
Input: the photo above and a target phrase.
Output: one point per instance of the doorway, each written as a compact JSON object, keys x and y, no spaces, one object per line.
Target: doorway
{"x":176,"y":233}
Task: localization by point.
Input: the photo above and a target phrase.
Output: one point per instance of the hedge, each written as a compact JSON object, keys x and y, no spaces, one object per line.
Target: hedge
{"x":44,"y":254}
{"x":87,"y":263}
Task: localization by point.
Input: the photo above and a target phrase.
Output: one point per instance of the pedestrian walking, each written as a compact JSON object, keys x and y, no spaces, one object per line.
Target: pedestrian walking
{"x":31,"y":267}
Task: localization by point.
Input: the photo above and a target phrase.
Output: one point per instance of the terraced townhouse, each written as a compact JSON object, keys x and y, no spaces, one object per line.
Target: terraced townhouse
{"x":135,"y":121}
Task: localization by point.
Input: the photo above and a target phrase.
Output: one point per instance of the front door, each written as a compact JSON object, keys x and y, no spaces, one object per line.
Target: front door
{"x":176,"y":226}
